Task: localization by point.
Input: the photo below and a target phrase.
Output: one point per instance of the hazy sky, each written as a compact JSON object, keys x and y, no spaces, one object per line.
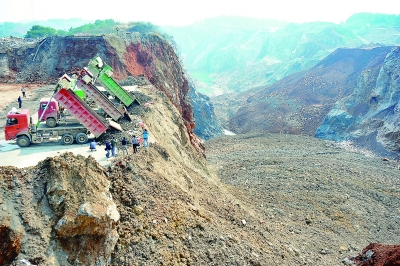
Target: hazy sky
{"x":181,"y":12}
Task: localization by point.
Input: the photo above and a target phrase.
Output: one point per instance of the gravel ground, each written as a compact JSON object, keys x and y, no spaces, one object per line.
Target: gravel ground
{"x":325,"y":200}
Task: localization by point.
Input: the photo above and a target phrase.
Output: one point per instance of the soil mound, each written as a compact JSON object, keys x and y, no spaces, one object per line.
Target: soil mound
{"x":378,"y":255}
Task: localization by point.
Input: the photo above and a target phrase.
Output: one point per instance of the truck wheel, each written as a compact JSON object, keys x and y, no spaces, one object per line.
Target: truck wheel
{"x":51,"y":122}
{"x":23,"y":141}
{"x":81,"y":138}
{"x":67,"y":139}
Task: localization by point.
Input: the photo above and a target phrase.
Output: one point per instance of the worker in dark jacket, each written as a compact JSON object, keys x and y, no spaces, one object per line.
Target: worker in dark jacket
{"x":124,"y":148}
{"x":108,"y":148}
{"x":19,"y":101}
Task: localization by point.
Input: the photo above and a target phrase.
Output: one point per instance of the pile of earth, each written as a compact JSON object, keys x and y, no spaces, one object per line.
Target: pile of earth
{"x":376,"y":255}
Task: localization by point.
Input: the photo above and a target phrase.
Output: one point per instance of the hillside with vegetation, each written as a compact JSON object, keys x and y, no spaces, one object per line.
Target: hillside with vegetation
{"x":49,"y":28}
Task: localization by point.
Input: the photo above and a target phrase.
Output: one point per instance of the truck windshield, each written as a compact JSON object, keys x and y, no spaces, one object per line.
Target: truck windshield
{"x":12,"y":121}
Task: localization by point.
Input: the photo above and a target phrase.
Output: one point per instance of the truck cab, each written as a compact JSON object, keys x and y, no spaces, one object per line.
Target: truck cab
{"x":49,"y":115}
{"x":17,"y":126}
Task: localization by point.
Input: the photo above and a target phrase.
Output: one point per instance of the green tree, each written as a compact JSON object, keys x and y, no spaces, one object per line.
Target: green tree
{"x":142,"y":27}
{"x":98,"y":27}
{"x":38,"y":31}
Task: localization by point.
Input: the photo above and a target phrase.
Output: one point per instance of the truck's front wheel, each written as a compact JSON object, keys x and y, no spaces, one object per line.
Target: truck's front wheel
{"x":67,"y":139}
{"x":51,"y":122}
{"x":23,"y":141}
{"x":81,"y":138}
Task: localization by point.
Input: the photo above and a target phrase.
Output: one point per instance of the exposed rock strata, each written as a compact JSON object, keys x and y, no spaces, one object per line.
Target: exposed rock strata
{"x":207,"y":124}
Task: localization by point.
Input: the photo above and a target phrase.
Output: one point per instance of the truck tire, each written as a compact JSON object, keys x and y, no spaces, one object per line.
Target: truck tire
{"x":23,"y":141}
{"x":67,"y":139}
{"x":81,"y":138}
{"x":51,"y":122}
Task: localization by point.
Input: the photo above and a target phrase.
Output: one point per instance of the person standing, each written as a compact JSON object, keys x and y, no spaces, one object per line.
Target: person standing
{"x":135,"y":144}
{"x":108,"y":148}
{"x":145,"y":135}
{"x":23,"y":92}
{"x":113,"y":146}
{"x":19,"y":101}
{"x":124,"y":146}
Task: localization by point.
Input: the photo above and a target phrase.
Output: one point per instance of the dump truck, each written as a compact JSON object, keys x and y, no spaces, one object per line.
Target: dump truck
{"x":103,"y":73}
{"x":103,"y":105}
{"x":19,"y":125}
{"x":54,"y":113}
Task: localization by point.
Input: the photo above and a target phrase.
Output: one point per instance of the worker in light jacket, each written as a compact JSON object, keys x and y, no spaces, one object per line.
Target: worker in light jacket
{"x":145,"y":135}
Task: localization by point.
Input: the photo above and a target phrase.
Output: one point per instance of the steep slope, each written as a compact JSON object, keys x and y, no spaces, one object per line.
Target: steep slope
{"x":369,"y":115}
{"x":207,"y":124}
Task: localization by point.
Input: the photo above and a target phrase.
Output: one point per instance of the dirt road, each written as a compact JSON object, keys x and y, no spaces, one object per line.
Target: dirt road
{"x":12,"y":154}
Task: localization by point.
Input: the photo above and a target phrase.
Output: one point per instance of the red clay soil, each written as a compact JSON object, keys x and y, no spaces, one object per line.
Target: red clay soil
{"x":383,"y":255}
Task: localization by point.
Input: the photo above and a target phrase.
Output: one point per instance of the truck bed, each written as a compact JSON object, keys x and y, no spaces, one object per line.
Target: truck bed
{"x":81,"y":111}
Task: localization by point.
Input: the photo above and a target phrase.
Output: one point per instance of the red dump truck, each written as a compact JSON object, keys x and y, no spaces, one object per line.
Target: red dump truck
{"x":19,"y":125}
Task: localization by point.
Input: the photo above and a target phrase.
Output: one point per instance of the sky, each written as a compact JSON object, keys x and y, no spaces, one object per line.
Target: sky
{"x":184,"y":12}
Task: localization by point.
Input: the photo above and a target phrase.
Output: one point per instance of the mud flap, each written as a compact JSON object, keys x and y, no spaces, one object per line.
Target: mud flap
{"x":115,"y":125}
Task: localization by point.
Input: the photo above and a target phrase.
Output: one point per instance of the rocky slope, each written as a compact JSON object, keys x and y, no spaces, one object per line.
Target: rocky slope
{"x":208,"y":126}
{"x":348,"y":79}
{"x":369,"y":116}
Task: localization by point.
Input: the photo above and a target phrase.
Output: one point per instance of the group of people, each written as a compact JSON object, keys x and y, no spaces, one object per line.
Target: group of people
{"x":111,"y":145}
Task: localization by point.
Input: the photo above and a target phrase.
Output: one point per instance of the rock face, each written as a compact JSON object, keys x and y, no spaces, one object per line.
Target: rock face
{"x":132,"y":56}
{"x":207,"y":124}
{"x":59,"y":213}
{"x":350,"y":95}
{"x":370,"y":115}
